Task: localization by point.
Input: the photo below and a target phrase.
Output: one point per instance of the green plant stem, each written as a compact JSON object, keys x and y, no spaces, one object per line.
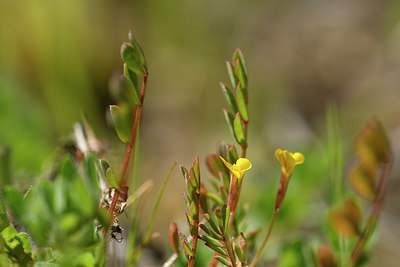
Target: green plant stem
{"x":375,"y":212}
{"x":147,"y":233}
{"x":129,"y":149}
{"x":254,"y":261}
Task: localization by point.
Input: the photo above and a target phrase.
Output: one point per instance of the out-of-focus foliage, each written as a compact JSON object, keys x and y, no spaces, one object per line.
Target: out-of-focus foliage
{"x":56,"y":59}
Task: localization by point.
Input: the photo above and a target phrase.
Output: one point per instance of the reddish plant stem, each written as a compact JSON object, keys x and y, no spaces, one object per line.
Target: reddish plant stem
{"x":375,"y":212}
{"x":230,"y":254}
{"x":123,"y":179}
{"x":194,"y":248}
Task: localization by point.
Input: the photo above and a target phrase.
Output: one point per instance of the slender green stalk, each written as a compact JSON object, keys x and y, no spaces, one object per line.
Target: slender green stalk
{"x":259,"y":253}
{"x":149,"y":227}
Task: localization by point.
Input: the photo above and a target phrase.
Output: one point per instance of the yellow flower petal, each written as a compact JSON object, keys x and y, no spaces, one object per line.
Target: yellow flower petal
{"x":298,"y":158}
{"x":239,"y":168}
{"x":288,"y":160}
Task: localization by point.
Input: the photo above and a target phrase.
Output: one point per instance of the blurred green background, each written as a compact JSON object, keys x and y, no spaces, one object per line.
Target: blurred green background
{"x":56,"y":58}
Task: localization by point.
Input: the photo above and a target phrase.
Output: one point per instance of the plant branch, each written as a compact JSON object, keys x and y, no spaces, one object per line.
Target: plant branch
{"x":375,"y":212}
{"x":130,"y":147}
{"x":254,"y":261}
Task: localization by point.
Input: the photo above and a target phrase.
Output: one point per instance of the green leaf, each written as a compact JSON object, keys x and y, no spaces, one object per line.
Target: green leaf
{"x":238,"y":55}
{"x":185,"y":172}
{"x":238,"y":128}
{"x":223,"y":260}
{"x":242,"y":102}
{"x":139,"y":50}
{"x":195,"y":169}
{"x":217,"y":249}
{"x":229,"y":117}
{"x":213,"y":224}
{"x":5,"y":166}
{"x":230,"y":98}
{"x":130,"y":56}
{"x":15,"y":200}
{"x":234,"y":79}
{"x":112,"y":179}
{"x":104,"y":167}
{"x":4,"y":222}
{"x":193,"y":210}
{"x":122,"y":117}
{"x":240,"y":70}
{"x":129,"y":91}
{"x":186,"y":248}
{"x":132,"y":76}
{"x":212,"y":241}
{"x":210,"y":232}
{"x":93,"y":175}
{"x":123,"y":90}
{"x":232,"y":154}
{"x":67,"y":168}
{"x":214,"y":164}
{"x":215,"y":198}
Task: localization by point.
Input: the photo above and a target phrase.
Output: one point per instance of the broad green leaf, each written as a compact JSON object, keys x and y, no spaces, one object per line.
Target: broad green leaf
{"x":238,"y":128}
{"x":67,"y":168}
{"x":230,"y":98}
{"x":130,"y":56}
{"x":25,"y":242}
{"x":139,"y":50}
{"x":132,"y":76}
{"x":122,"y":117}
{"x":104,"y":167}
{"x":234,"y":79}
{"x":5,"y":166}
{"x":123,"y":91}
{"x":15,"y":200}
{"x":112,"y":179}
{"x":8,"y":233}
{"x":129,"y":91}
{"x":68,"y":222}
{"x":242,"y":102}
{"x":229,"y":117}
{"x":92,"y":175}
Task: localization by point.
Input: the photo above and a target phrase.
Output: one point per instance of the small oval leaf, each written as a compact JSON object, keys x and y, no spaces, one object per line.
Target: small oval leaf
{"x":238,"y":128}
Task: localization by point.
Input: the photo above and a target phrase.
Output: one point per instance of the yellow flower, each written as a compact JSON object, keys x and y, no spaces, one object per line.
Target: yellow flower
{"x":239,"y":168}
{"x":288,"y":160}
